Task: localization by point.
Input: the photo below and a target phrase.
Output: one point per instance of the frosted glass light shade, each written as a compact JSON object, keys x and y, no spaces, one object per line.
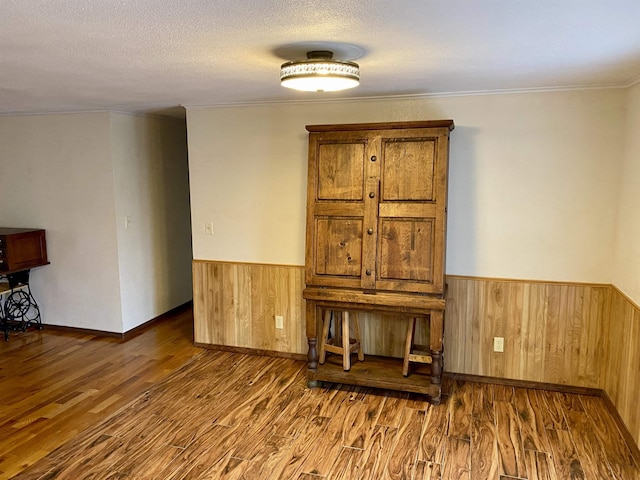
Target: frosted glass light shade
{"x":320,"y":74}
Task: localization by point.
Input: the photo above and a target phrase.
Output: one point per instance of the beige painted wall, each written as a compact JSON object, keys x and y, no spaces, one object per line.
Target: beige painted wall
{"x":627,"y":246}
{"x":56,"y":173}
{"x":533,"y":179}
{"x":151,"y":186}
{"x":77,"y":176}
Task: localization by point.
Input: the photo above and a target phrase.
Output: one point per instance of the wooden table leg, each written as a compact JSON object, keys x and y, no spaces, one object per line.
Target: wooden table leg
{"x":436,"y":332}
{"x":312,"y":336}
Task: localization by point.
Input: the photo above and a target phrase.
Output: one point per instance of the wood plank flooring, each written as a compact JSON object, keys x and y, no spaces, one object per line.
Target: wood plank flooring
{"x":155,"y":407}
{"x":54,"y":385}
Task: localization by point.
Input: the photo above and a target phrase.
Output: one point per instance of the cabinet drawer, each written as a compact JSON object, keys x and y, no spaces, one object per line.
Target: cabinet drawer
{"x":22,"y":249}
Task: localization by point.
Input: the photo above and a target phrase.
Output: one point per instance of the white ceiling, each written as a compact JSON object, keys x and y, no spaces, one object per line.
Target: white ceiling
{"x":154,"y":55}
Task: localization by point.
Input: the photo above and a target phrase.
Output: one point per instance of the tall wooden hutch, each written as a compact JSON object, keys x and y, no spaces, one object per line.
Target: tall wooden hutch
{"x":375,"y":239}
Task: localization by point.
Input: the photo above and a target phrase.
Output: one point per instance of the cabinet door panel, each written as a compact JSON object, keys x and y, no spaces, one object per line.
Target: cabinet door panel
{"x":376,"y":208}
{"x":408,"y":169}
{"x":338,"y":247}
{"x":337,"y":173}
{"x":407,"y":210}
{"x":340,"y":171}
{"x":406,"y":250}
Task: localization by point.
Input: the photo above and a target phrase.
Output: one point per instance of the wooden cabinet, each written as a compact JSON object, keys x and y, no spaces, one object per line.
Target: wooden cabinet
{"x":376,"y":222}
{"x":21,"y":249}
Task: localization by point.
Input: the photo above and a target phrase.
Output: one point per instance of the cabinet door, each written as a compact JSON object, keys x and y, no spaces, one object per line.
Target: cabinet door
{"x":335,"y":209}
{"x":412,"y":211}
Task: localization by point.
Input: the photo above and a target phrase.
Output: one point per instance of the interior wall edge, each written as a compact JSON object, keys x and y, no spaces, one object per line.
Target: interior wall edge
{"x":635,"y":304}
{"x":632,"y":441}
{"x":509,"y":382}
{"x":621,"y":360}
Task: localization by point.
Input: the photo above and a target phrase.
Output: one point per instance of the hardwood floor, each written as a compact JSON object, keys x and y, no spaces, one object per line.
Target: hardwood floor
{"x":155,"y":407}
{"x":53,"y":385}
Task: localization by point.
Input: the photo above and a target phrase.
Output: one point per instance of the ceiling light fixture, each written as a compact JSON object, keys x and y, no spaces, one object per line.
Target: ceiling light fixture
{"x":320,"y":73}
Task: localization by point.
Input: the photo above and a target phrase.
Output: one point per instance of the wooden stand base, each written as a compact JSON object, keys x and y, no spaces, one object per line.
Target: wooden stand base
{"x":378,"y":372}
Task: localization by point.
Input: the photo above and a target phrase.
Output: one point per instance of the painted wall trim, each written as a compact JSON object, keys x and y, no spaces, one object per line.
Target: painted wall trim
{"x":418,"y":96}
{"x":128,"y":335}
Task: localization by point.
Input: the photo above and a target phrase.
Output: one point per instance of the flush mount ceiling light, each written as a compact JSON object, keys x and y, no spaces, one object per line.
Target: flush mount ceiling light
{"x":320,"y":73}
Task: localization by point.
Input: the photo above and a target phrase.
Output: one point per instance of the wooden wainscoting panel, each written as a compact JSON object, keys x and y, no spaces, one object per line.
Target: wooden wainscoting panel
{"x":552,"y":332}
{"x":621,"y":365}
{"x":235,"y":304}
{"x":385,"y":335}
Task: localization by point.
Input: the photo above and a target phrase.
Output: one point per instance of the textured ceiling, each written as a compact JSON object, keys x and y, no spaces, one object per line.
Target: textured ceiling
{"x":155,"y":55}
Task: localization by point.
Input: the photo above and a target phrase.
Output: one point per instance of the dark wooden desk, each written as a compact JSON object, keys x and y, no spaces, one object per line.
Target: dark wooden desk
{"x":21,"y":249}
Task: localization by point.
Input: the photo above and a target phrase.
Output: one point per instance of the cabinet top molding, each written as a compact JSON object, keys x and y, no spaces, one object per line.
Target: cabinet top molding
{"x":382,"y":126}
{"x":13,"y":231}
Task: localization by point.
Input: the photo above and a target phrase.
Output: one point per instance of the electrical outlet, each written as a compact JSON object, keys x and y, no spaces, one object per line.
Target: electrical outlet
{"x":498,"y":344}
{"x":208,"y":228}
{"x":279,"y":322}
